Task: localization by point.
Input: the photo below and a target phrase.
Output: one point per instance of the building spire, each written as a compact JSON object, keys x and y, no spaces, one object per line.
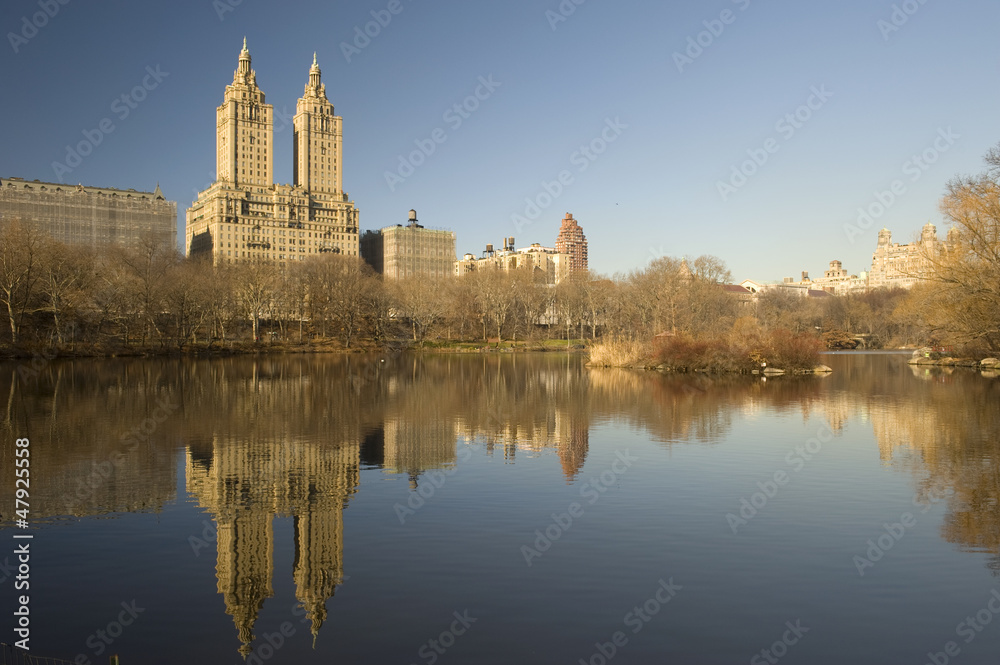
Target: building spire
{"x":315,"y":86}
{"x":243,"y":72}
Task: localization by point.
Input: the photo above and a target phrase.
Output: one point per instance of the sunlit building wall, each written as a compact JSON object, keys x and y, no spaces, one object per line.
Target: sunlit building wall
{"x":244,"y":215}
{"x":90,"y":216}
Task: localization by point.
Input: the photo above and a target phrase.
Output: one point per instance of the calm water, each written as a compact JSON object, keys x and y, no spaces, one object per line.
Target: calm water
{"x":515,"y":509}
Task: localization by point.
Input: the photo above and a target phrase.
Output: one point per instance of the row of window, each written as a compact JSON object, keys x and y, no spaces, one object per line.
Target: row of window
{"x":274,"y":257}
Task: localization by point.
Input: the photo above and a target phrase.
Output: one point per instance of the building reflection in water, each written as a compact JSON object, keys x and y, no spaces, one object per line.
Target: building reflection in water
{"x":287,"y":437}
{"x":245,"y":485}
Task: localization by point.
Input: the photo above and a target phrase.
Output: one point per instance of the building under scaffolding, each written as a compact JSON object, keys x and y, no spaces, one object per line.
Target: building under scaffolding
{"x":90,"y":216}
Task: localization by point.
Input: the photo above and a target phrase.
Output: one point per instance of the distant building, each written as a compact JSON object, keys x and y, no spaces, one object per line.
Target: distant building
{"x":799,"y":289}
{"x":571,"y":241}
{"x":244,"y":215}
{"x":90,"y":216}
{"x":895,"y":265}
{"x":838,"y":281}
{"x":412,"y":250}
{"x":742,"y":294}
{"x":547,"y":264}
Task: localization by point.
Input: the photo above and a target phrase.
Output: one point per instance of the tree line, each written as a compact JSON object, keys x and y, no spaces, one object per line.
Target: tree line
{"x":149,"y":297}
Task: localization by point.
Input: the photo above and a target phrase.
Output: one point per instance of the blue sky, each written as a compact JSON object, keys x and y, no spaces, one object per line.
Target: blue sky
{"x":663,"y":132}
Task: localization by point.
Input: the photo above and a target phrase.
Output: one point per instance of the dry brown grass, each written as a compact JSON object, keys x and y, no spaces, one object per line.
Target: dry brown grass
{"x":619,"y":352}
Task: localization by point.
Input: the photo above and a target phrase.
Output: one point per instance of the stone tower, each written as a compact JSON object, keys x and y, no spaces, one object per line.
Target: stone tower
{"x":318,"y":139}
{"x":245,"y":131}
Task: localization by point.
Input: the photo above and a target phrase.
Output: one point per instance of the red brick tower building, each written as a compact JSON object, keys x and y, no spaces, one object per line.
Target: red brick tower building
{"x":572,"y":241}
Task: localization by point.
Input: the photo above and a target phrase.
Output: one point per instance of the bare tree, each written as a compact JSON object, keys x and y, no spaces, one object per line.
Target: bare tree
{"x":187,"y":298}
{"x":421,"y":300}
{"x":66,"y":281}
{"x":254,"y":284}
{"x":965,"y":305}
{"x":145,"y":265}
{"x":20,"y":248}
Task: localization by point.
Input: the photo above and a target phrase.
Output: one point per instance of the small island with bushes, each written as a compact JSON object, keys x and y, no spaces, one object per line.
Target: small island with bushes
{"x":745,"y":350}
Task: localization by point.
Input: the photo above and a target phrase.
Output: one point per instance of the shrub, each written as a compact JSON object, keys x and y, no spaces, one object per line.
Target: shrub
{"x":740,"y":351}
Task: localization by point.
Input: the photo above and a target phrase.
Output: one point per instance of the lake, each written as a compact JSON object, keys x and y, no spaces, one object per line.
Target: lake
{"x":502,"y":509}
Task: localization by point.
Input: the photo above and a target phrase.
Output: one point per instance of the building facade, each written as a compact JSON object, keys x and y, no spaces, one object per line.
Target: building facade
{"x":408,"y":251}
{"x":546,"y":264}
{"x":573,"y":242}
{"x":895,"y":265}
{"x":90,"y":216}
{"x":244,"y":215}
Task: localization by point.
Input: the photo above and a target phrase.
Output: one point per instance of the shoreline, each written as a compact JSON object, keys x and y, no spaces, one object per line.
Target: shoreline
{"x":245,"y":349}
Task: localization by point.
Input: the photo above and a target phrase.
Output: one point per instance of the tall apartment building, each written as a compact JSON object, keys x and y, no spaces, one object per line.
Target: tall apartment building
{"x":406,"y":251}
{"x":572,"y":241}
{"x":244,"y":215}
{"x":90,"y":216}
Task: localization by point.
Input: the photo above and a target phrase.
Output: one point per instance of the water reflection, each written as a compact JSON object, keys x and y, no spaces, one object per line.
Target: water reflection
{"x":287,"y":437}
{"x":245,"y":483}
{"x":95,"y":445}
{"x":944,"y":429}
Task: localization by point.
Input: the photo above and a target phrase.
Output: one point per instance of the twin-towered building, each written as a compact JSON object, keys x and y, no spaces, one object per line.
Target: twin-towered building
{"x":244,"y":215}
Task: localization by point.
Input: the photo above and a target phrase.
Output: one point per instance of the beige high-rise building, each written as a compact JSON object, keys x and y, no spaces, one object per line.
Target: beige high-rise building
{"x":244,"y":215}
